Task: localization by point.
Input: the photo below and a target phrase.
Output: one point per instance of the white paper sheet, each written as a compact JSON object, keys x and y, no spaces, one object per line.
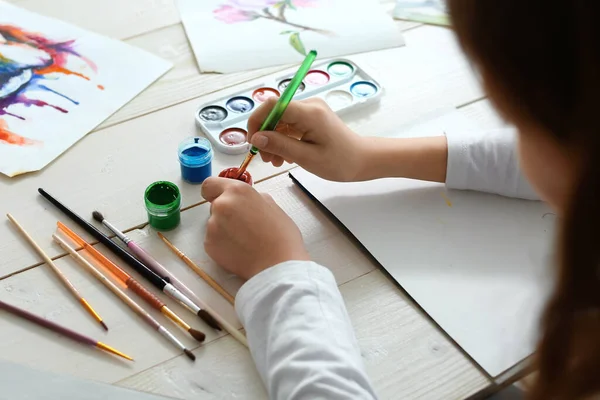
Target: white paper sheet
{"x":57,"y":83}
{"x":427,"y":11}
{"x":18,"y":382}
{"x":236,"y":35}
{"x":480,"y":268}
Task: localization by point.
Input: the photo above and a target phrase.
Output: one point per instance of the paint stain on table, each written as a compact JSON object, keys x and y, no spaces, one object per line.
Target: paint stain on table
{"x":445,"y":197}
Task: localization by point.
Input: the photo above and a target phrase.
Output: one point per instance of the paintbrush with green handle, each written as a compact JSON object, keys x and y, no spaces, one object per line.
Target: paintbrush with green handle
{"x":277,"y":112}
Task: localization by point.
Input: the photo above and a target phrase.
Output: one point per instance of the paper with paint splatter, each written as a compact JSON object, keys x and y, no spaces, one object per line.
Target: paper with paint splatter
{"x":235,"y":35}
{"x":427,"y":11}
{"x":57,"y":83}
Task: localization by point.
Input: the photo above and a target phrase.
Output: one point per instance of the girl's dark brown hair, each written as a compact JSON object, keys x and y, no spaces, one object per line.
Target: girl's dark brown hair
{"x":540,"y":61}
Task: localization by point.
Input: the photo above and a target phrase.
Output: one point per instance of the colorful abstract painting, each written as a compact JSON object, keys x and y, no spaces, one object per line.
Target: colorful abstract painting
{"x":58,"y":82}
{"x":234,"y":35}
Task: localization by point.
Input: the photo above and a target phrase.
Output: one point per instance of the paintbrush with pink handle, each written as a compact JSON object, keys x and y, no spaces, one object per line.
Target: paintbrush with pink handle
{"x":160,"y":270}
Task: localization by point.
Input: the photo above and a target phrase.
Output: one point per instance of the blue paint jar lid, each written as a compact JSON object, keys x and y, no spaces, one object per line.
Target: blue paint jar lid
{"x":195,"y":152}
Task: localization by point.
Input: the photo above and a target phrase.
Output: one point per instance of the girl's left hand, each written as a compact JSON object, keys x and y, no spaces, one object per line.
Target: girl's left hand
{"x":247,"y":232}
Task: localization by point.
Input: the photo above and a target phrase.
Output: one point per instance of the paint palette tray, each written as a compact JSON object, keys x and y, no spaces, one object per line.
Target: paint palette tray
{"x":341,"y":83}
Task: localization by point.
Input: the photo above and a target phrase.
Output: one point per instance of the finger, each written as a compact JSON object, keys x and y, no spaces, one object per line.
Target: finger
{"x":285,"y":129}
{"x":297,"y":114}
{"x":259,"y":115}
{"x":281,"y":145}
{"x":289,"y":130}
{"x":214,"y":187}
{"x":266,"y":157}
{"x":277,"y":162}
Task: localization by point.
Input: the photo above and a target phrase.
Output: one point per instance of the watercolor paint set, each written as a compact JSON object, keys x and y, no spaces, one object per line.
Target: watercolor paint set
{"x":341,"y":83}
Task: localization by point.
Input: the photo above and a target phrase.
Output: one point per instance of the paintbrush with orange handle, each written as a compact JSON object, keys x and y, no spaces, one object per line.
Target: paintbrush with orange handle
{"x":160,"y":270}
{"x":131,"y":283}
{"x":123,"y":296}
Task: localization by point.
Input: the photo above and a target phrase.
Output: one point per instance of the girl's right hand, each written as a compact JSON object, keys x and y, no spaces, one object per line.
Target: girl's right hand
{"x":311,"y":135}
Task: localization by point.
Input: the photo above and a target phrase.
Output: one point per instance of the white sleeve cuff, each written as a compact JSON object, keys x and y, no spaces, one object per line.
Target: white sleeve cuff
{"x":486,"y":161}
{"x":266,"y":279}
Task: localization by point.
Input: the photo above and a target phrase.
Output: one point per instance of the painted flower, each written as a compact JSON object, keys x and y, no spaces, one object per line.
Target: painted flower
{"x":235,"y":11}
{"x":232,"y":15}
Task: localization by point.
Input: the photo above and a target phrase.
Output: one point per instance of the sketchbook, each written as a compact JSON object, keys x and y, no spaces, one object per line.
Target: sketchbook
{"x":478,"y":264}
{"x":19,"y":382}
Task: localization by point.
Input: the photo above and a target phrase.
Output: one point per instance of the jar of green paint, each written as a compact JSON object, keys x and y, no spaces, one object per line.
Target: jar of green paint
{"x":163,"y":203}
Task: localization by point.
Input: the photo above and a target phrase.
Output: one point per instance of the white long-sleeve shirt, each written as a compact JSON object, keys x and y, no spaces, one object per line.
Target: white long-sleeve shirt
{"x":298,"y":329}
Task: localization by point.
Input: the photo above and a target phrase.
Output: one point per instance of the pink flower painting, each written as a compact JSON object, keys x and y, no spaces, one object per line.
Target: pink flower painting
{"x":306,"y":3}
{"x":236,"y":11}
{"x":232,"y":15}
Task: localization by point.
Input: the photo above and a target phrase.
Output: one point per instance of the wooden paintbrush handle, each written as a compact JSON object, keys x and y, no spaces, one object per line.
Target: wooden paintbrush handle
{"x":208,"y":279}
{"x":46,"y":258}
{"x":47,"y":324}
{"x":194,"y":267}
{"x":145,"y":294}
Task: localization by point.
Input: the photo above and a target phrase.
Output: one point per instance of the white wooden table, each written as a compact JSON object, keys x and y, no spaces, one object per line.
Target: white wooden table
{"x":405,"y":353}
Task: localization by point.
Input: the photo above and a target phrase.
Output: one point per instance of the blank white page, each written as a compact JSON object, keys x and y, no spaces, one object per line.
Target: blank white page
{"x":480,"y":268}
{"x":18,"y":382}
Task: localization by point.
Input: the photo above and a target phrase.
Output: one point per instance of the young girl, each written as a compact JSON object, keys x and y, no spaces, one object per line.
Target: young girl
{"x":540,"y":65}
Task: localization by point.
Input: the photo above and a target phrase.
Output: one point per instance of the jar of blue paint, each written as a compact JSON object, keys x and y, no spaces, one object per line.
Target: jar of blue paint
{"x":195,"y":158}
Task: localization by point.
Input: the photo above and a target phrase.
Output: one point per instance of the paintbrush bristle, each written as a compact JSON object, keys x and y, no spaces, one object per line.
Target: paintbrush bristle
{"x":196,"y":334}
{"x":206,"y":317}
{"x":104,"y":325}
{"x":190,"y":355}
{"x":98,"y":216}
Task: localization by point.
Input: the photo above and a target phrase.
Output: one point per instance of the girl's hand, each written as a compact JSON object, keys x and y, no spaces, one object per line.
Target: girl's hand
{"x":311,"y":135}
{"x":247,"y":232}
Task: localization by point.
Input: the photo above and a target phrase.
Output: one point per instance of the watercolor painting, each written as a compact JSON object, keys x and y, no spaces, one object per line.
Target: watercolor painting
{"x":57,"y":83}
{"x":265,"y":33}
{"x":27,"y":60}
{"x":427,"y":11}
{"x":237,"y":11}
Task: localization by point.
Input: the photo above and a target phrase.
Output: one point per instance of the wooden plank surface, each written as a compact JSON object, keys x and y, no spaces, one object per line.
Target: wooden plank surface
{"x":115,"y":18}
{"x":406,"y":357}
{"x":404,"y":351}
{"x":39,"y":291}
{"x":98,"y":171}
{"x":183,"y":82}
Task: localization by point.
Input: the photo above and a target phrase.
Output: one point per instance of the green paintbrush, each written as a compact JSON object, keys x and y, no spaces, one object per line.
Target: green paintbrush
{"x":277,"y":112}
